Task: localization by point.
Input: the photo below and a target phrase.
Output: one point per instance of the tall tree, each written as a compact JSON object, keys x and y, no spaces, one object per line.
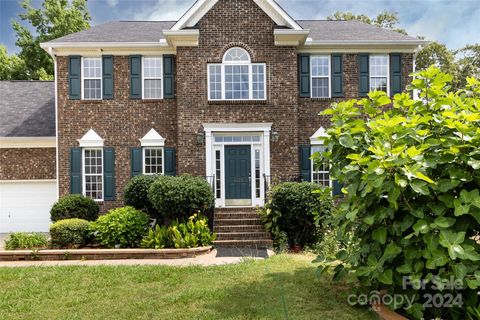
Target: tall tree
{"x":386,"y":19}
{"x":11,"y":66}
{"x":56,"y":18}
{"x":468,"y":64}
{"x":436,"y":54}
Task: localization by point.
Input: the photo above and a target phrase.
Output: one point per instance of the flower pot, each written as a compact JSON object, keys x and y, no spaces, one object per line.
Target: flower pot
{"x":296,"y":248}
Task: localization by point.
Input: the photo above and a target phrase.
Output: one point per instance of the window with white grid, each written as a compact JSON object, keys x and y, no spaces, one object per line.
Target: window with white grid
{"x":93,"y":173}
{"x":152,"y":77}
{"x":92,"y":78}
{"x":320,"y":71}
{"x":236,"y":78}
{"x":379,"y":72}
{"x":320,"y":171}
{"x":153,"y":160}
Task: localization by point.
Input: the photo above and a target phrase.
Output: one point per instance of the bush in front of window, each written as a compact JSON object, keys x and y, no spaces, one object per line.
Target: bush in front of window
{"x":181,"y":196}
{"x":120,"y":228}
{"x":136,"y":194}
{"x":296,"y":210}
{"x":70,"y":233}
{"x":74,"y":206}
{"x":24,"y":240}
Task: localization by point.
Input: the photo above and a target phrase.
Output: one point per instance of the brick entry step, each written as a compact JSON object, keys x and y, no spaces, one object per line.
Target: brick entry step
{"x":240,"y":227}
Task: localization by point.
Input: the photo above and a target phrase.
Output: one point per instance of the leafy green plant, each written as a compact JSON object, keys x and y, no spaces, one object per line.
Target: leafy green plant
{"x":190,"y":234}
{"x":411,"y":181}
{"x":296,"y":210}
{"x":136,"y":194}
{"x":74,"y":206}
{"x":70,"y":233}
{"x":23,"y":240}
{"x":180,"y":197}
{"x":120,"y":228}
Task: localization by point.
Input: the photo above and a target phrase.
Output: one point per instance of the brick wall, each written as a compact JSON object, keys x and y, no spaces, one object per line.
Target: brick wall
{"x":27,"y":163}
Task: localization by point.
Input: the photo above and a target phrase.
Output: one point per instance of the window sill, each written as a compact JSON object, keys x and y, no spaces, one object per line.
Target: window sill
{"x":236,"y":102}
{"x":322,"y":99}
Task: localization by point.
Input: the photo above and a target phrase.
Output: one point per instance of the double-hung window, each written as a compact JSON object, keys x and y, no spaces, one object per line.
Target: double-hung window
{"x":93,"y":173}
{"x":320,"y":171}
{"x":152,"y":77}
{"x":153,"y":160}
{"x":320,"y":79}
{"x":379,"y":79}
{"x":92,"y":78}
{"x":236,"y":78}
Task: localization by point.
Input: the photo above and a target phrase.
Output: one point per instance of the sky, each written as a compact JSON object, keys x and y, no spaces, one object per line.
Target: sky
{"x":454,"y":23}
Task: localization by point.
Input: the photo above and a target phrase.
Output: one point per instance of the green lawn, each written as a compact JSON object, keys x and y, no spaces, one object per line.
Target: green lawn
{"x":282,"y":287}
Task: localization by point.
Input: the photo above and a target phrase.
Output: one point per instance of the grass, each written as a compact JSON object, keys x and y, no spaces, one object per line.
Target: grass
{"x":282,"y":287}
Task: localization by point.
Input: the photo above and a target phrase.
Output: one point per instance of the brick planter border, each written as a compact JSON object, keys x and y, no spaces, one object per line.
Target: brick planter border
{"x":101,"y":254}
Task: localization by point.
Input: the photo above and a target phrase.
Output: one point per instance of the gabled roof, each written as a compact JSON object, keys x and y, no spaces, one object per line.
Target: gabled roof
{"x":27,"y":109}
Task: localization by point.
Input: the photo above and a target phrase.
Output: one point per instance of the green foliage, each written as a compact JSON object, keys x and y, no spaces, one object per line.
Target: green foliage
{"x":120,"y":228}
{"x":11,"y":66}
{"x":191,"y":234}
{"x":55,"y":19}
{"x":181,"y":196}
{"x":436,"y":54}
{"x":70,"y":233}
{"x":411,"y":176}
{"x":23,"y":240}
{"x":385,"y":19}
{"x":296,"y":210}
{"x":136,"y":194}
{"x":74,"y":206}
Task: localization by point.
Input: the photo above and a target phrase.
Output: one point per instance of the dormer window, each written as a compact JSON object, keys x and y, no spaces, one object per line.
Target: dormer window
{"x":236,"y":78}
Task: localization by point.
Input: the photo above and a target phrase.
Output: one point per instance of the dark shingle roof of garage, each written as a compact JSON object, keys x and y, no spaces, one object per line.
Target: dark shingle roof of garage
{"x":27,"y":109}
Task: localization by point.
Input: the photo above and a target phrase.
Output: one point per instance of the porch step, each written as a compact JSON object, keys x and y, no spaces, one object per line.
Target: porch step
{"x":243,"y":235}
{"x":244,"y":243}
{"x":237,"y":215}
{"x":239,"y":228}
{"x":237,"y":222}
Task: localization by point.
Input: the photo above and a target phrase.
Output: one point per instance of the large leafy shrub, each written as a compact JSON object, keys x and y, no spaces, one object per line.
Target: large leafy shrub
{"x":181,"y":196}
{"x":121,"y":228}
{"x":193,"y":233}
{"x":411,"y":177}
{"x":24,"y":240}
{"x":296,"y":210}
{"x":70,"y":233}
{"x":136,"y":194}
{"x":74,"y":206}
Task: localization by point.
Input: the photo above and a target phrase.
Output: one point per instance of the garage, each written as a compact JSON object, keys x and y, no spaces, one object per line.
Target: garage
{"x":25,"y":205}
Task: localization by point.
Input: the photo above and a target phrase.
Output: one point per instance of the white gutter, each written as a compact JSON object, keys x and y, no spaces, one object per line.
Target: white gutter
{"x":27,"y":142}
{"x":364,"y":42}
{"x":53,"y":45}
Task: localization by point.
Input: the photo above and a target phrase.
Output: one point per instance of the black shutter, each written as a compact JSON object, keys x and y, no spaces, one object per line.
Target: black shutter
{"x":337,"y":188}
{"x":169,"y":161}
{"x":108,"y":174}
{"x":363,"y":74}
{"x":395,"y":73}
{"x":135,"y":77}
{"x":337,"y":75}
{"x":168,"y":76}
{"x":74,"y":77}
{"x":305,"y":163}
{"x":304,"y":75}
{"x":107,"y":77}
{"x":76,"y":170}
{"x":136,"y":161}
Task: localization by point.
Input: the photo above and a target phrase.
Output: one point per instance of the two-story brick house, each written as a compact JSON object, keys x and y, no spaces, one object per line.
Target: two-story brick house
{"x":231,"y":92}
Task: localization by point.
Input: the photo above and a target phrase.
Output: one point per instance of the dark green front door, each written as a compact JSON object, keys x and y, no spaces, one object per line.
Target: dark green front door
{"x":237,"y":173}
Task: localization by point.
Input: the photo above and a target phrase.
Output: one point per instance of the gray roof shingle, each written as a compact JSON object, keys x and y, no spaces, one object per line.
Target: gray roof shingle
{"x":27,"y":109}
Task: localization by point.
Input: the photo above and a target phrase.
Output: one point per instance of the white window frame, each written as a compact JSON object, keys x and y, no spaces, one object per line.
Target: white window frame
{"x":318,"y":77}
{"x":250,"y":78}
{"x":144,"y":162}
{"x":152,"y":78}
{"x":370,"y":74}
{"x":312,"y":167}
{"x":84,"y":180}
{"x":82,"y":76}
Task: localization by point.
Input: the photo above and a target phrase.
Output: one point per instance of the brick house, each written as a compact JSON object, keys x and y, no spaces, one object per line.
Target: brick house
{"x":230,"y":92}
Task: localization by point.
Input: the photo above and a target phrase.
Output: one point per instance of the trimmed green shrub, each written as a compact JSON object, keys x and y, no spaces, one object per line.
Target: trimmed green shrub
{"x":74,"y":206}
{"x":23,"y":240}
{"x":136,"y":194}
{"x":181,"y":196}
{"x":120,"y":228}
{"x":193,"y":233}
{"x":70,"y":233}
{"x":296,"y":210}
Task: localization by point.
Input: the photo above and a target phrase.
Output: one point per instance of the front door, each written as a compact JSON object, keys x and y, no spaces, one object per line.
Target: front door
{"x":238,"y":176}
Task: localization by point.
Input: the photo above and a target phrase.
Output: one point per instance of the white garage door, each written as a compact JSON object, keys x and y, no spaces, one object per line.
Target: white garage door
{"x":25,"y":206}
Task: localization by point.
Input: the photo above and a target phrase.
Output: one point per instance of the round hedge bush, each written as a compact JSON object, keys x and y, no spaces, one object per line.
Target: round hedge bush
{"x":74,"y":206}
{"x":181,"y":196}
{"x":120,"y":228}
{"x":70,"y":233}
{"x":136,"y":194}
